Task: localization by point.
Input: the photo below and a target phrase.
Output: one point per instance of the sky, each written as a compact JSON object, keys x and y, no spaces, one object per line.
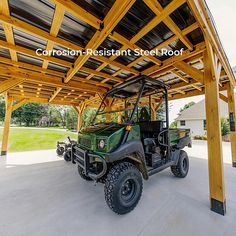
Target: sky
{"x":224,"y":13}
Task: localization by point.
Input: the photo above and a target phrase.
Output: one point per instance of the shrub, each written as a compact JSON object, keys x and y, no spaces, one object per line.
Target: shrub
{"x":224,"y":127}
{"x":198,"y":137}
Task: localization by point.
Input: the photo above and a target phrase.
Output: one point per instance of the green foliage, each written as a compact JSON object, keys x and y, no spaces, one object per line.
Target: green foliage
{"x":29,"y":114}
{"x":2,"y":109}
{"x":225,"y":128}
{"x":58,"y":112}
{"x":186,"y":106}
{"x":198,"y":137}
{"x":89,"y":115}
{"x":173,"y":125}
{"x":161,"y":112}
{"x":71,"y":119}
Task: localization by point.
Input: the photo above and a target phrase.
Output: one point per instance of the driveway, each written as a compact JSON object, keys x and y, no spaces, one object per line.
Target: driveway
{"x":42,"y":195}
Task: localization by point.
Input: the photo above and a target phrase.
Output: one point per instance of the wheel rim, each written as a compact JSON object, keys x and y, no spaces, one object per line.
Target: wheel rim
{"x":128,"y":190}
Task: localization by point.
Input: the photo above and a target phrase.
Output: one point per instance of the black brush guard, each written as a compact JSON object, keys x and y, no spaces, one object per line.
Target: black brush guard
{"x":83,"y":157}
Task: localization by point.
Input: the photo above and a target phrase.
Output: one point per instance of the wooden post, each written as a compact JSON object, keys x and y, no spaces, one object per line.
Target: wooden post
{"x":108,"y":108}
{"x":80,"y":121}
{"x":7,"y":122}
{"x":153,"y":112}
{"x":215,"y":160}
{"x":232,"y":116}
{"x":80,"y":110}
{"x":119,"y":118}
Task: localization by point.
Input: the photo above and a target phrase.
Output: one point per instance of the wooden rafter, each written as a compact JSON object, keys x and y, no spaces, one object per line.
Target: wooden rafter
{"x":16,"y":23}
{"x":79,"y":12}
{"x":156,"y":7}
{"x":10,"y":83}
{"x":115,"y":14}
{"x":54,"y":79}
{"x":56,"y":24}
{"x":4,"y":9}
{"x":58,"y":90}
{"x":19,"y":104}
{"x":191,"y":71}
{"x":47,"y":80}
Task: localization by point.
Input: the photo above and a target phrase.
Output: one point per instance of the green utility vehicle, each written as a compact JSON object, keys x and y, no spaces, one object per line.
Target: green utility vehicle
{"x":121,"y":154}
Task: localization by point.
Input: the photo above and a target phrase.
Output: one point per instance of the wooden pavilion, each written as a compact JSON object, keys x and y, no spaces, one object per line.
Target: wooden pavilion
{"x":80,"y":81}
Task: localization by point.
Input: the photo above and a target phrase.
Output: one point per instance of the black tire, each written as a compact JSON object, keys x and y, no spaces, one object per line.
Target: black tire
{"x":123,"y":188}
{"x":67,"y":156}
{"x":60,"y":151}
{"x":82,"y":175}
{"x":181,"y":169}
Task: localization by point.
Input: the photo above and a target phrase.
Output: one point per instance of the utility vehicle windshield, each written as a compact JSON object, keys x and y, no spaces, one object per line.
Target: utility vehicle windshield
{"x":120,"y":114}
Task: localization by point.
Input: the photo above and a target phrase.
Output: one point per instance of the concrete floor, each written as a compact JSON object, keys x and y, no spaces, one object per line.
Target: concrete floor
{"x":42,"y":195}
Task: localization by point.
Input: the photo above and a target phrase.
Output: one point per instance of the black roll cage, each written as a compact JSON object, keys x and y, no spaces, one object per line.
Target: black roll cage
{"x":153,"y":86}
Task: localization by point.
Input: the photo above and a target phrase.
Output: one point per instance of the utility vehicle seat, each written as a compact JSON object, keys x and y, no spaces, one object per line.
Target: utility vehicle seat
{"x":152,"y":127}
{"x":144,"y":115}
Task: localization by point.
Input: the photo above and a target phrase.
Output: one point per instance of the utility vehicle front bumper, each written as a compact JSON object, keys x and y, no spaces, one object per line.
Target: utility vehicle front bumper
{"x":84,"y":158}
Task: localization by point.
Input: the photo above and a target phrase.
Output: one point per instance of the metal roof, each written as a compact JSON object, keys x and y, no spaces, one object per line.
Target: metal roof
{"x":112,"y":24}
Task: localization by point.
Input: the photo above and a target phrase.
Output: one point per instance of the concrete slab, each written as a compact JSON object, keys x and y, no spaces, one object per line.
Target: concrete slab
{"x":49,"y":198}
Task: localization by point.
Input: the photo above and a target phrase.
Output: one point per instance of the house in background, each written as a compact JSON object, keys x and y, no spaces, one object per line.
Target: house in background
{"x":194,"y":118}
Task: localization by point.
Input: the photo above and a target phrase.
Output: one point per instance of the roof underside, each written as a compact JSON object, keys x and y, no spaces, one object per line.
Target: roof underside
{"x":26,"y":26}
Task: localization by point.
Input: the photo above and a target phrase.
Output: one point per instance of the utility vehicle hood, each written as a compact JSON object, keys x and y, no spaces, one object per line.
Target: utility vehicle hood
{"x":102,"y":129}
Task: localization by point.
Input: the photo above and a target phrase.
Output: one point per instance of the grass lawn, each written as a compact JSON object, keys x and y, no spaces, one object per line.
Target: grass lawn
{"x":28,"y":139}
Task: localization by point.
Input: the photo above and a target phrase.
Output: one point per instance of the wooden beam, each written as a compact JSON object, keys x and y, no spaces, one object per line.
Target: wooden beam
{"x":156,"y":7}
{"x":168,"y":63}
{"x":55,"y":27}
{"x":196,"y":87}
{"x":4,"y":9}
{"x":223,"y":98}
{"x":79,"y":12}
{"x":232,"y":120}
{"x":58,"y":90}
{"x":7,"y":122}
{"x":101,"y":74}
{"x":19,"y":104}
{"x":158,"y":19}
{"x":191,"y":71}
{"x":33,"y":54}
{"x":43,"y":100}
{"x":80,"y":110}
{"x":201,"y":13}
{"x":180,"y":91}
{"x":46,"y":80}
{"x":28,"y":28}
{"x":60,"y":75}
{"x":215,"y":159}
{"x":186,"y":80}
{"x":116,"y":13}
{"x":192,"y":93}
{"x":127,"y":44}
{"x":10,"y":83}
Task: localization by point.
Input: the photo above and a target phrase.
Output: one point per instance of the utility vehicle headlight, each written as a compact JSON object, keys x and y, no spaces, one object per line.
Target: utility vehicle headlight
{"x":101,"y":143}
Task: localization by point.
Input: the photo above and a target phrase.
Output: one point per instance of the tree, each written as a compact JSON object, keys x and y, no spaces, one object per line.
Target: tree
{"x":2,"y":109}
{"x":29,"y":114}
{"x":71,"y":119}
{"x":58,"y":112}
{"x":186,"y":106}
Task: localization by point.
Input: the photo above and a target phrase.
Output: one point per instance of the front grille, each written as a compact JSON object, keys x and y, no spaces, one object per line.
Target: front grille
{"x":85,"y":142}
{"x":81,"y":157}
